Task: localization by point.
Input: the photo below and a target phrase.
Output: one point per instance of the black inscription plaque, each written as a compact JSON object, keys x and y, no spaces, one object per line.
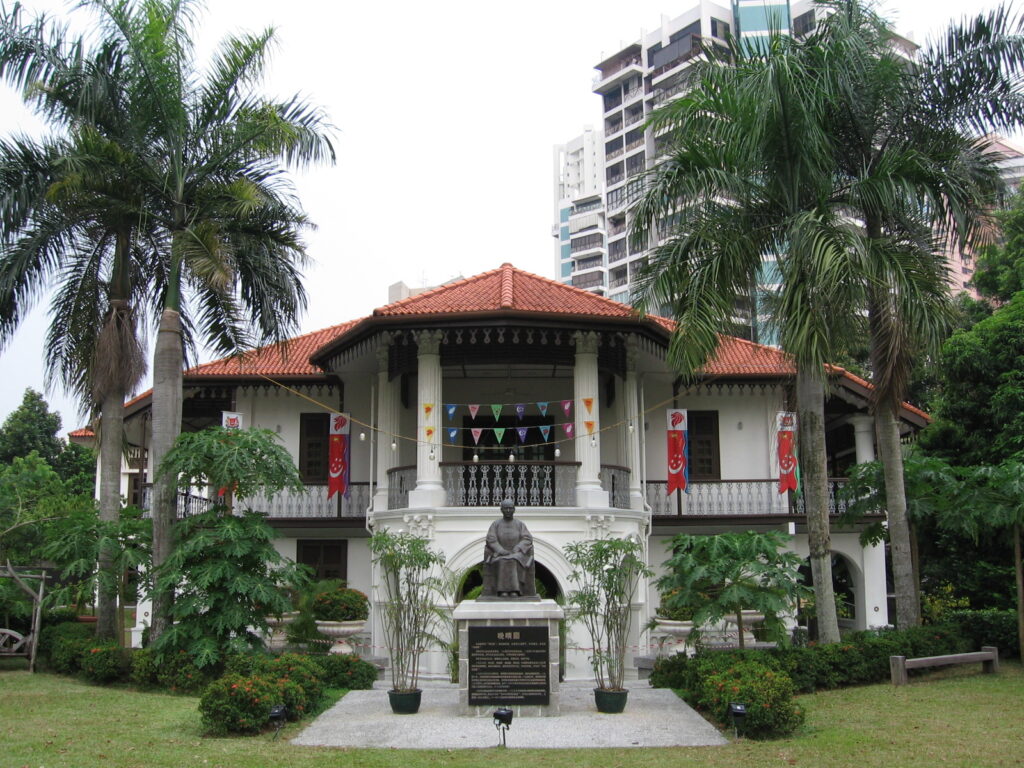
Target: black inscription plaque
{"x":508,"y":665}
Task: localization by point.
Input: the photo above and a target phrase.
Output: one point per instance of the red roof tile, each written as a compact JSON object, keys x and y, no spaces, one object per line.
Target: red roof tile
{"x":82,"y":432}
{"x":288,"y":358}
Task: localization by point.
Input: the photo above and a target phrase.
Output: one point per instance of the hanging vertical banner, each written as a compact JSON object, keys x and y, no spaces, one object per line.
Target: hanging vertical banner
{"x":450,"y":408}
{"x":588,"y":403}
{"x":499,"y":433}
{"x":339,"y":454}
{"x":476,"y":432}
{"x":543,"y":408}
{"x":590,"y":427}
{"x":473,"y":410}
{"x":453,"y":434}
{"x":428,"y":408}
{"x":785,"y":422}
{"x":520,"y":410}
{"x":567,"y":407}
{"x":545,"y":431}
{"x":521,"y":431}
{"x":678,"y":449}
{"x":568,"y":427}
{"x":230,"y":420}
{"x":496,"y":410}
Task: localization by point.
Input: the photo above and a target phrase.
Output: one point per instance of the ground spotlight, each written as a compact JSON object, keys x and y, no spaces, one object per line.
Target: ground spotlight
{"x":502,"y":722}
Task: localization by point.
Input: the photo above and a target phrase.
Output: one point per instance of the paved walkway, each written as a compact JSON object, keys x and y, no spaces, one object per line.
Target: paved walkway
{"x":654,"y":717}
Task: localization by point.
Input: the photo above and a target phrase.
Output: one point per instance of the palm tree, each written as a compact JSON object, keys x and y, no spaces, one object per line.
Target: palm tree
{"x":743,"y":178}
{"x":205,"y":154}
{"x":887,"y":141}
{"x":911,"y":168}
{"x":70,"y":222}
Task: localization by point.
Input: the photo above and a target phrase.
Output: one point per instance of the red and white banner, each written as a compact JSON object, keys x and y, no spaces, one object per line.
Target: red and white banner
{"x":678,"y":450}
{"x":785,"y":423}
{"x":338,"y":457}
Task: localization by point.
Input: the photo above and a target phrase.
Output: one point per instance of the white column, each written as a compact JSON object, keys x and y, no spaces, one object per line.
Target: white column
{"x":864,"y":437}
{"x":429,"y":491}
{"x":634,"y":427}
{"x":387,"y":427}
{"x":588,"y":442}
{"x":876,"y":607}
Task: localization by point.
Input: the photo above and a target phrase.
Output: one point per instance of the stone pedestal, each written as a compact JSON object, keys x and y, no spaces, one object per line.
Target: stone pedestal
{"x":501,"y":656}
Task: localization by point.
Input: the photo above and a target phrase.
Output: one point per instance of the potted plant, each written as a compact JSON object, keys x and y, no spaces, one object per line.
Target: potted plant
{"x":606,"y":573}
{"x":340,"y":612}
{"x":674,"y":618}
{"x":405,"y":563}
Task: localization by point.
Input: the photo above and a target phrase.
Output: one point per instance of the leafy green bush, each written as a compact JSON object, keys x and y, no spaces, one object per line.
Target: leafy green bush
{"x":303,"y":671}
{"x":237,"y":704}
{"x":340,"y":670}
{"x":178,"y":673}
{"x":767,"y":694}
{"x":991,"y":627}
{"x":63,"y":631}
{"x":144,"y":668}
{"x":344,"y":604}
{"x":104,"y":663}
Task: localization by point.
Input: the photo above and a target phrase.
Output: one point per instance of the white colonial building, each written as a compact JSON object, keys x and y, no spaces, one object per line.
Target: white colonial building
{"x":507,"y":384}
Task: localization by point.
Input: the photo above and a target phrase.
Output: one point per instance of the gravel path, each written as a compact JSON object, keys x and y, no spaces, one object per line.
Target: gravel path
{"x":654,"y":717}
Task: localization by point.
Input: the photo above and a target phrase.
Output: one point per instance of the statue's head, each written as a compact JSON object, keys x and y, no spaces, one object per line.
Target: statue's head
{"x":507,"y":509}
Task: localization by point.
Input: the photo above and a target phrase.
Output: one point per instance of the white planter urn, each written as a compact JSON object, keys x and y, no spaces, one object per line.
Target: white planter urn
{"x":679,"y":631}
{"x":279,"y":630}
{"x":340,"y":631}
{"x":750,"y":620}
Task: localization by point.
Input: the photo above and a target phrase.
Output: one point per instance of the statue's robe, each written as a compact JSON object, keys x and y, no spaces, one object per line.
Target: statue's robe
{"x":510,"y":570}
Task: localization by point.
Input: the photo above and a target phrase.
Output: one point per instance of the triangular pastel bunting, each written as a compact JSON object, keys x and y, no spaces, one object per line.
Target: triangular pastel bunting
{"x":567,"y":407}
{"x":499,"y":432}
{"x":588,"y":403}
{"x":568,"y":427}
{"x":428,"y":408}
{"x":472,"y":410}
{"x":545,"y":431}
{"x":521,"y":431}
{"x":476,"y":431}
{"x":453,"y":434}
{"x":451,"y":408}
{"x":430,"y":432}
{"x":590,"y":427}
{"x":543,"y":408}
{"x":520,"y":410}
{"x":496,"y":410}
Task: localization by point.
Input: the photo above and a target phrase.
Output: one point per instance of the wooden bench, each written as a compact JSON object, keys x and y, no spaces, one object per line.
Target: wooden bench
{"x":898,"y":665}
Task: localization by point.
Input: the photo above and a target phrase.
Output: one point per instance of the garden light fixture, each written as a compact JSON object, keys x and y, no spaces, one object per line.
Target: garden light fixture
{"x":502,"y":722}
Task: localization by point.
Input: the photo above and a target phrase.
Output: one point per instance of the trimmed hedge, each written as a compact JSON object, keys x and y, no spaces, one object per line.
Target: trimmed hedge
{"x":340,"y":670}
{"x":990,"y":627}
{"x":767,"y":694}
{"x":65,"y":630}
{"x":178,"y":673}
{"x":237,"y":704}
{"x":65,"y":644}
{"x":104,"y":663}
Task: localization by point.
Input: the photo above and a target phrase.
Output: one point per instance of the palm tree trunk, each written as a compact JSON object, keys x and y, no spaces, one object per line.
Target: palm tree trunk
{"x":111,"y":431}
{"x":167,"y":369}
{"x":908,"y":605}
{"x":1018,"y":572}
{"x":810,"y":396}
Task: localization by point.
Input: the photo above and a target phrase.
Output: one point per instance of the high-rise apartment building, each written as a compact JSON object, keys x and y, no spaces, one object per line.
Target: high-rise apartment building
{"x":579,"y":211}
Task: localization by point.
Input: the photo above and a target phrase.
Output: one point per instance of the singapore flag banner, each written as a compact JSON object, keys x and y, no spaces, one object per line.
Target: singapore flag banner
{"x":338,"y":455}
{"x":678,"y":450}
{"x":789,"y":473}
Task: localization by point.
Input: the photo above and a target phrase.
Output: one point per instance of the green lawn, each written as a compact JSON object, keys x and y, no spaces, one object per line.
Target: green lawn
{"x":960,"y":718}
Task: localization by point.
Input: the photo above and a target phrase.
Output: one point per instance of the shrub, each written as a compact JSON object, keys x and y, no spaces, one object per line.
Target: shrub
{"x":144,"y":668}
{"x":303,"y":671}
{"x":991,"y":627}
{"x":178,"y":673}
{"x":104,"y":663}
{"x":671,"y":672}
{"x":767,"y":693}
{"x":342,"y":604}
{"x":237,"y":704}
{"x":340,"y":670}
{"x":63,"y":631}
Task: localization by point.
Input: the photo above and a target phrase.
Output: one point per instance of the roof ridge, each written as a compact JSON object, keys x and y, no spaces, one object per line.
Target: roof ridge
{"x":507,"y":288}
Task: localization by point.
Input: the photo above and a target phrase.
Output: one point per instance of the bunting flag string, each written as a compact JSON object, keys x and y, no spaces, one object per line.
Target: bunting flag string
{"x":545,"y":431}
{"x":476,"y":435}
{"x":453,"y":435}
{"x":430,"y":434}
{"x":521,"y":431}
{"x":520,"y":410}
{"x":496,"y":410}
{"x":451,"y":408}
{"x":473,"y":411}
{"x":499,"y":433}
{"x":588,"y":402}
{"x":428,"y":408}
{"x":590,"y":427}
{"x":567,"y":407}
{"x":543,"y":408}
{"x":569,"y":429}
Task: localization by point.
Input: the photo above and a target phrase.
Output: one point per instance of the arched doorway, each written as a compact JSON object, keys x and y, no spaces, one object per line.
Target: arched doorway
{"x":547,"y":584}
{"x":843,"y":585}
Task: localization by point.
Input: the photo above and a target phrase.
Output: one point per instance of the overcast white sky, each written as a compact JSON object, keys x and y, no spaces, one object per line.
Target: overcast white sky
{"x":446,"y":114}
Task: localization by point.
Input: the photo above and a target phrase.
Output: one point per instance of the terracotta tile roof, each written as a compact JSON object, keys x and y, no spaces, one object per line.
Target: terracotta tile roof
{"x":867,"y":385}
{"x":82,"y":432}
{"x":507,"y":288}
{"x":288,"y":358}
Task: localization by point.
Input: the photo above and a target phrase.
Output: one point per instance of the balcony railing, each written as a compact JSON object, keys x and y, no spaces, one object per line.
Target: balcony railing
{"x":401,"y":480}
{"x":313,"y":502}
{"x":188,"y":503}
{"x":836,"y":505}
{"x":615,"y":480}
{"x":527,"y":483}
{"x":725,"y":498}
